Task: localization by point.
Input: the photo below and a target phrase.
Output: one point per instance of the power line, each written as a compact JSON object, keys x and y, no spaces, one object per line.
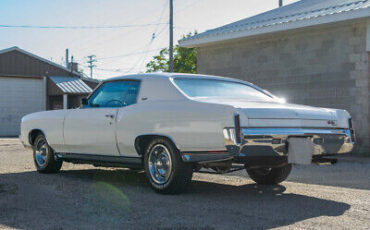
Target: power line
{"x":188,"y":6}
{"x":154,"y":36}
{"x":142,"y":58}
{"x":138,"y":18}
{"x":130,"y":54}
{"x":184,"y":28}
{"x":145,"y":50}
{"x":80,"y":27}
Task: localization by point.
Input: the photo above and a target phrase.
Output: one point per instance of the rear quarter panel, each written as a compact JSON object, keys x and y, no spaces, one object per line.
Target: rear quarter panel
{"x":193,"y":126}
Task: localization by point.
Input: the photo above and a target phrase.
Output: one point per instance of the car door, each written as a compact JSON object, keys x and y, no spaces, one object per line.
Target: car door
{"x":92,"y":129}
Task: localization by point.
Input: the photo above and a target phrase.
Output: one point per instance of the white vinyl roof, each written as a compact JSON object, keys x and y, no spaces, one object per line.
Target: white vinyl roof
{"x":297,"y":15}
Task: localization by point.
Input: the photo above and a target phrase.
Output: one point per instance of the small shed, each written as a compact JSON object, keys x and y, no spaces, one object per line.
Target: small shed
{"x":66,"y":92}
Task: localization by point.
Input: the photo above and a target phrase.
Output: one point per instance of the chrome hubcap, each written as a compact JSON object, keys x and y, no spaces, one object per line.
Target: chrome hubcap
{"x":160,"y":164}
{"x":41,"y":152}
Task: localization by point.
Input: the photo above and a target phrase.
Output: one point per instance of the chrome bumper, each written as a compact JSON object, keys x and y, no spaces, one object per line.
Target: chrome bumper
{"x":275,"y":141}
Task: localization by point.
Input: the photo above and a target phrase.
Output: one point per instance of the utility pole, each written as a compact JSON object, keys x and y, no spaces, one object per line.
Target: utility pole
{"x":91,"y":63}
{"x":67,"y":58}
{"x":71,"y":64}
{"x":171,"y":37}
{"x":280,"y":3}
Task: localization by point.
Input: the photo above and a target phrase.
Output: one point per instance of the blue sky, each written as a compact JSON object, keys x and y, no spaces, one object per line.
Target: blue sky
{"x":118,"y":51}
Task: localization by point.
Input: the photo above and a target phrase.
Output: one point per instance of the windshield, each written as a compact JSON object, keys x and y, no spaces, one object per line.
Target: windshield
{"x":214,"y":88}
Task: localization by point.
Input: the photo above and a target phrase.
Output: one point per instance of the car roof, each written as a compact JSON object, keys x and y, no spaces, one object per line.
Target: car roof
{"x":168,"y":76}
{"x":173,"y":75}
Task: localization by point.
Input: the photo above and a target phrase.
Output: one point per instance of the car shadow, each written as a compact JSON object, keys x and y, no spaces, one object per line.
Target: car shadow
{"x":342,"y":174}
{"x":104,"y":198}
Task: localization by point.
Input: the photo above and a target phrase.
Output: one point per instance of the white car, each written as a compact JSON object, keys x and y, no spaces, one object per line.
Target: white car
{"x":174,"y":124}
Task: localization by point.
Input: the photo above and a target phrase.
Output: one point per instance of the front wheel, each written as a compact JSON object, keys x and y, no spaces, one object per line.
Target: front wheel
{"x":270,"y":175}
{"x":165,"y":170}
{"x":44,"y":157}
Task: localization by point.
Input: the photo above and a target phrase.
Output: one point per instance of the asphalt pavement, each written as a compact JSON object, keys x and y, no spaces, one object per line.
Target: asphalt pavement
{"x":85,"y":197}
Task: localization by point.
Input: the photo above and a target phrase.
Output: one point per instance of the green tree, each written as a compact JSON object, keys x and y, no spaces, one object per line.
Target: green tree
{"x":184,"y":60}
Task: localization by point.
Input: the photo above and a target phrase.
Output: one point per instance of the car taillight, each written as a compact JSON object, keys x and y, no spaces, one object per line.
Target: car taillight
{"x":353,"y":138}
{"x":237,"y":129}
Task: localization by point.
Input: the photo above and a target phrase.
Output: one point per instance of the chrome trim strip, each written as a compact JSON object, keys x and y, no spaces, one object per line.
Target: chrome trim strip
{"x":293,"y":131}
{"x":115,"y":131}
{"x":158,"y":134}
{"x":93,"y":158}
{"x":200,"y":156}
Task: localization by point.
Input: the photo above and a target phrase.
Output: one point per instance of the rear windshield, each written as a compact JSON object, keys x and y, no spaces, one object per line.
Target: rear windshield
{"x":213,"y":88}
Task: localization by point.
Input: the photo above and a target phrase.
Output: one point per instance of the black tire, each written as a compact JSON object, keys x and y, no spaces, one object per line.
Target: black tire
{"x":270,"y":175}
{"x":44,"y":156}
{"x":178,"y":176}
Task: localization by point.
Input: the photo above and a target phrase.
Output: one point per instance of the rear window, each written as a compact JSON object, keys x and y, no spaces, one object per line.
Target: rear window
{"x":214,"y":88}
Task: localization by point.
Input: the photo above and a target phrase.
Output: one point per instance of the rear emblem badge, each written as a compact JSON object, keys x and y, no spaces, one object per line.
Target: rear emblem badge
{"x":331,"y":122}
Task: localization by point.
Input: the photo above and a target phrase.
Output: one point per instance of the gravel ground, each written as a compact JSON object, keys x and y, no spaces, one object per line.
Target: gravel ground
{"x":85,"y":197}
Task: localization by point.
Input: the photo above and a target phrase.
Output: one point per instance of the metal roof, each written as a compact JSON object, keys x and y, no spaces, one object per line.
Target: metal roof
{"x":71,"y":85}
{"x":296,"y":15}
{"x":16,"y":48}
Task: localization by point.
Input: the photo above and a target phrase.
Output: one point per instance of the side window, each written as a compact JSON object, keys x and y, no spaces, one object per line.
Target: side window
{"x":115,"y":94}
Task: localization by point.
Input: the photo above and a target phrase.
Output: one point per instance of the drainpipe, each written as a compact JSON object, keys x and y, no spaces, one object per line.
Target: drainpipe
{"x":45,"y":81}
{"x":65,"y":101}
{"x":368,"y":37}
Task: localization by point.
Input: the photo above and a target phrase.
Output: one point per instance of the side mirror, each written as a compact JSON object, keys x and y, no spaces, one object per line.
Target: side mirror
{"x":84,"y":101}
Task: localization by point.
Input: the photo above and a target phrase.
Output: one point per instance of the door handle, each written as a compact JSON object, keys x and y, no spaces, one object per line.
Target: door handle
{"x":109,"y":116}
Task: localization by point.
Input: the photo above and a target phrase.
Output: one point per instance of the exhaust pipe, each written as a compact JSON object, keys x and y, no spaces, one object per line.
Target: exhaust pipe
{"x":323,"y":160}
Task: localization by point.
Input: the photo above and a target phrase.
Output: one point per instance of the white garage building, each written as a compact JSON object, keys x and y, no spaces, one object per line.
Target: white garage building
{"x":19,"y":96}
{"x":27,"y":85}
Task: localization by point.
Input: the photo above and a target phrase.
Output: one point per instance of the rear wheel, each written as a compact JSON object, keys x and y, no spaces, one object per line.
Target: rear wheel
{"x":270,"y":175}
{"x":44,"y":157}
{"x":165,"y":170}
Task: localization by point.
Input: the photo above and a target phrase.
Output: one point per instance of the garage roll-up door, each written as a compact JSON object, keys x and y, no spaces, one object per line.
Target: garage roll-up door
{"x":18,"y":97}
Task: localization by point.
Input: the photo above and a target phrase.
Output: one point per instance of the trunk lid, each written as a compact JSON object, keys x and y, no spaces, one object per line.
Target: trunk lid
{"x":274,"y":114}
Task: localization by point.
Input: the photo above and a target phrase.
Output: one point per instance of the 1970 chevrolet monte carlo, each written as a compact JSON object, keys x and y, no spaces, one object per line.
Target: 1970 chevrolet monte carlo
{"x":174,"y":124}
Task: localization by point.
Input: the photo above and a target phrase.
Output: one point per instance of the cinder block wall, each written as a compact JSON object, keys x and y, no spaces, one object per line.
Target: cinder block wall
{"x":325,"y":66}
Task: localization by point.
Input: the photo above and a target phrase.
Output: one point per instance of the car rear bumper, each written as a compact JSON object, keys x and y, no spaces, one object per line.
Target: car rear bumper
{"x":275,"y":141}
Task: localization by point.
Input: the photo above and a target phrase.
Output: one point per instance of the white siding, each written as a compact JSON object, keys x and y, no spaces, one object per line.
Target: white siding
{"x":18,"y":97}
